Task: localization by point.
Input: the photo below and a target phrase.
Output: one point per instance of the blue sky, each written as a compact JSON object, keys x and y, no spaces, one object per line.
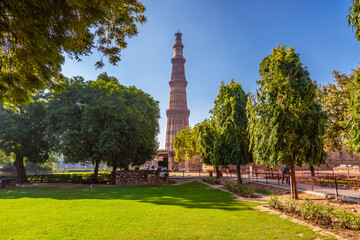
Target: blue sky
{"x":226,"y":39}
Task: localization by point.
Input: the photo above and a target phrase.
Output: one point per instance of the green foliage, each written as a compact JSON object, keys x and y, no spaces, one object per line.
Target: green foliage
{"x":103,"y":121}
{"x":239,"y":189}
{"x":275,"y":202}
{"x":354,"y":112}
{"x":84,"y":178}
{"x":286,"y":124}
{"x":23,"y":132}
{"x":212,"y":180}
{"x":185,"y":144}
{"x":23,"y":135}
{"x":335,"y":99}
{"x":229,"y":116}
{"x":354,"y":18}
{"x":322,"y":215}
{"x":207,"y":139}
{"x":36,"y":35}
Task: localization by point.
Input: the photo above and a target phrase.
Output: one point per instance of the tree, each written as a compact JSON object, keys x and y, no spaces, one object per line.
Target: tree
{"x":354,"y":18}
{"x":36,"y":36}
{"x":208,"y":141}
{"x":354,"y":112}
{"x":105,"y":121}
{"x":185,"y":144}
{"x":229,"y":115}
{"x":286,"y":124}
{"x":23,"y":133}
{"x":335,"y":99}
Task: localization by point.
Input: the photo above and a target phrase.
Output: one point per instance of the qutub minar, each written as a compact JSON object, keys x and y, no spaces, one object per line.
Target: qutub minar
{"x":178,"y":113}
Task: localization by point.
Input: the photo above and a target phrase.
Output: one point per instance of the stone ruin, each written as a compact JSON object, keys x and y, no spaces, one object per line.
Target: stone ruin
{"x":144,"y":177}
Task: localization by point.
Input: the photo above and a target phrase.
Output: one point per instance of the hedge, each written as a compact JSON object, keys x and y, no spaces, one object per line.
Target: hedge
{"x":84,"y":178}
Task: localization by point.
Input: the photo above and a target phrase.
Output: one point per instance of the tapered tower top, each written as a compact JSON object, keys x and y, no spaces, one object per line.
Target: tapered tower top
{"x":178,"y":46}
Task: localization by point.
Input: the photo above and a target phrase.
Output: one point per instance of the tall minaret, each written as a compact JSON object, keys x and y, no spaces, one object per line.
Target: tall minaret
{"x":178,"y":113}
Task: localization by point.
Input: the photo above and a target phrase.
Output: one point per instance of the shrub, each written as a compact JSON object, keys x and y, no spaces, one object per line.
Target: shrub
{"x":239,"y":189}
{"x":212,"y":180}
{"x":290,"y":206}
{"x":322,"y":215}
{"x":275,"y":202}
{"x":347,"y":220}
{"x":85,"y":178}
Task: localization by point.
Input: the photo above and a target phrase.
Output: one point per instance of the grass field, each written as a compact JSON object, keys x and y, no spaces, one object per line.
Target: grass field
{"x":189,"y":211}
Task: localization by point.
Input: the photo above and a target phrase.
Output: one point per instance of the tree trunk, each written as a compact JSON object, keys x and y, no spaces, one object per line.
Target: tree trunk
{"x":312,"y":170}
{"x":217,"y":172}
{"x":96,"y":171}
{"x":113,"y":173}
{"x":271,"y":172}
{"x":294,"y":193}
{"x":238,"y":174}
{"x":20,"y":170}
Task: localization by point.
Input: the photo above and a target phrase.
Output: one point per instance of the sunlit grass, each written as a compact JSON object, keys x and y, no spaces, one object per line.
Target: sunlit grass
{"x":189,"y":211}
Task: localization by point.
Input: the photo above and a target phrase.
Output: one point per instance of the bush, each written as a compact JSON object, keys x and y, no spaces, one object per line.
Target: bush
{"x":274,"y":202}
{"x":85,"y":178}
{"x":290,"y":206}
{"x":212,"y":180}
{"x":322,"y":215}
{"x":239,"y":189}
{"x":347,"y":220}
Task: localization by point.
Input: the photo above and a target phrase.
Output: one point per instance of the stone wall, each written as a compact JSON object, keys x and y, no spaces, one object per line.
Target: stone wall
{"x":142,"y":177}
{"x":7,"y":182}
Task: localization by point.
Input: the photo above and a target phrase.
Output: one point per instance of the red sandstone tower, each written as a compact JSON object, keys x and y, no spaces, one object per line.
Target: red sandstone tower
{"x":178,"y":113}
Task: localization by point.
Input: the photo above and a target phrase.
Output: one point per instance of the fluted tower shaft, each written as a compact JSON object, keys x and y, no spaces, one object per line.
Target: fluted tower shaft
{"x":178,"y":113}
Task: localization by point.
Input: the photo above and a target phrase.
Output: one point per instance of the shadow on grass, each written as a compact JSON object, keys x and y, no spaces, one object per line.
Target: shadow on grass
{"x":189,"y":195}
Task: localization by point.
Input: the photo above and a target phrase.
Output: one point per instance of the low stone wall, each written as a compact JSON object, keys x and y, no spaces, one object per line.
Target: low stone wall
{"x":7,"y":182}
{"x":142,"y":177}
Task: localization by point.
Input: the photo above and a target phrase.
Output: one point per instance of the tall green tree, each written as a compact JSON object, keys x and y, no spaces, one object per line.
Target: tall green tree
{"x":286,"y":123}
{"x":185,"y":144}
{"x":209,"y":144}
{"x":36,"y":35}
{"x":335,"y":100}
{"x":23,"y":133}
{"x":354,"y":112}
{"x":229,"y":115}
{"x":105,"y":121}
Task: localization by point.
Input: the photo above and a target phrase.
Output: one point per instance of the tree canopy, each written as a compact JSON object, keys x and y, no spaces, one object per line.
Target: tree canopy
{"x":229,"y":116}
{"x":23,"y":133}
{"x":286,"y":123}
{"x":185,"y":144}
{"x":105,"y":121}
{"x":335,"y":100}
{"x":354,"y":18}
{"x":36,"y":36}
{"x":354,"y":112}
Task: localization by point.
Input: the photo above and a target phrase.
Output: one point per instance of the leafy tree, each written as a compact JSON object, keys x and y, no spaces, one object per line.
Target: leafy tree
{"x":104,"y":121}
{"x":36,"y":35}
{"x":185,"y":144}
{"x":335,"y":99}
{"x":229,"y":115}
{"x":354,"y":112}
{"x":208,"y":141}
{"x":354,"y":18}
{"x":23,"y":133}
{"x":286,"y":124}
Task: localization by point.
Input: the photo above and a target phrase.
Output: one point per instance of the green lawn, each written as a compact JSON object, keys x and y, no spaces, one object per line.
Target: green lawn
{"x":189,"y":211}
